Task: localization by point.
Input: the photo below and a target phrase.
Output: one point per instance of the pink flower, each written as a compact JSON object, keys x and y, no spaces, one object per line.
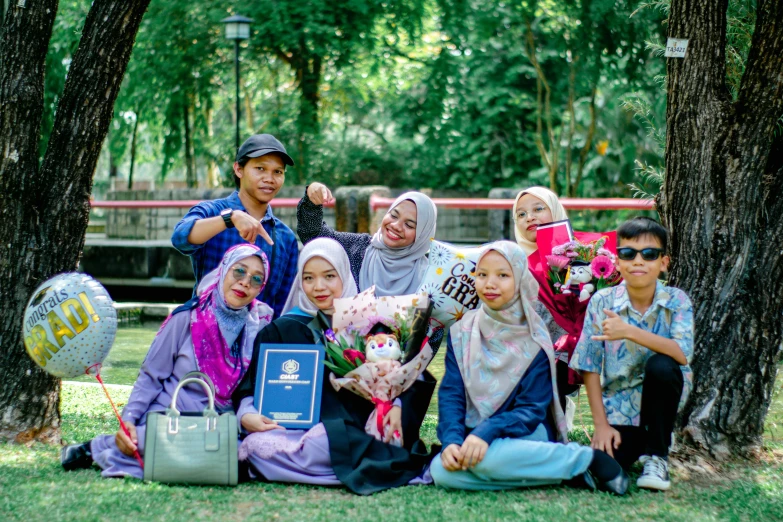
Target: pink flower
{"x":571,"y":254}
{"x":602,"y":266}
{"x":352,"y":355}
{"x":559,"y":262}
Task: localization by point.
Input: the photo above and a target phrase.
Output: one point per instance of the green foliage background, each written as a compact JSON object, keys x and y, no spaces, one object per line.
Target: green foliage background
{"x":455,"y":94}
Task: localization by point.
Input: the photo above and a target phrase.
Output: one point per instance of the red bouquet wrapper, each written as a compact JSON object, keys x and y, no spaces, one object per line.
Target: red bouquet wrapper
{"x":566,"y":309}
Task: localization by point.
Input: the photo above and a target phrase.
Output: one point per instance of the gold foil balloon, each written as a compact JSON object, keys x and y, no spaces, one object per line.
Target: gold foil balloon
{"x":69,"y":325}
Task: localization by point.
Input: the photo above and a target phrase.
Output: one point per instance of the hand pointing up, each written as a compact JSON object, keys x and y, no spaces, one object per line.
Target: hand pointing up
{"x":613,"y":328}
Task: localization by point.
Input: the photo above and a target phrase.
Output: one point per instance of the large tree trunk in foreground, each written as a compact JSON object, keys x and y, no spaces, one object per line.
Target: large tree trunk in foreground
{"x":723,"y":201}
{"x":45,"y":210}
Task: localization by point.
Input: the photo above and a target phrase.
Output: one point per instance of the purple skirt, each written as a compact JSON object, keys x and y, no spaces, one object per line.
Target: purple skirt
{"x":290,"y":456}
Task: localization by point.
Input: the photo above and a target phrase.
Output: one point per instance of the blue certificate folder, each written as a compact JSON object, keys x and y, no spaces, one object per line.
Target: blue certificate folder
{"x":288,"y":384}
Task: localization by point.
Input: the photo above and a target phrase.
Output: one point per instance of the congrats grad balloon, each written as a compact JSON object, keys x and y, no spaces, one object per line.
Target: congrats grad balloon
{"x":69,"y":325}
{"x":450,"y":281}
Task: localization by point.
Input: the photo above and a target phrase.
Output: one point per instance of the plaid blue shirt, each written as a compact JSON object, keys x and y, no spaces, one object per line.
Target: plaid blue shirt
{"x":283,"y":256}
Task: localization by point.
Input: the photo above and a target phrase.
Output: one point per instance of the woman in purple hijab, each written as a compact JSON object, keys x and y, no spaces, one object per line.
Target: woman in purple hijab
{"x":215,"y":337}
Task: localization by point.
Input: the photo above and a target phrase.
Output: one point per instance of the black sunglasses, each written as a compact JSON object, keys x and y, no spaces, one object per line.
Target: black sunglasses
{"x":648,"y":254}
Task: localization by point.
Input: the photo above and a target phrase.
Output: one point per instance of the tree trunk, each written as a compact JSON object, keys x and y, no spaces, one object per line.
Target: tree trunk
{"x":309,"y":74}
{"x":213,"y":173}
{"x":190,"y":166}
{"x":112,"y":162}
{"x":3,"y":9}
{"x":133,"y":150}
{"x":45,"y":210}
{"x":549,"y":156}
{"x":723,"y":202}
{"x":249,"y":116}
{"x":309,"y":85}
{"x":588,"y":141}
{"x":28,"y":403}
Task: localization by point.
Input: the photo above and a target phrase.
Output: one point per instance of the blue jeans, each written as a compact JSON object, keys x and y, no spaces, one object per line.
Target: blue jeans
{"x":515,"y":463}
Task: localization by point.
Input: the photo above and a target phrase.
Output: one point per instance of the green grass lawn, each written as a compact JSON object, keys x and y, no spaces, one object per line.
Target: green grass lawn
{"x":130,"y":347}
{"x":33,"y":486}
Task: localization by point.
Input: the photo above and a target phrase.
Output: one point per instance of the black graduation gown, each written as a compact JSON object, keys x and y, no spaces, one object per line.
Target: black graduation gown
{"x":360,"y":461}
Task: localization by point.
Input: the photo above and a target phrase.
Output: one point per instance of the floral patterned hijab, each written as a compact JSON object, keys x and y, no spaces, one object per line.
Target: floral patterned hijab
{"x":223,"y":336}
{"x":494,"y":349}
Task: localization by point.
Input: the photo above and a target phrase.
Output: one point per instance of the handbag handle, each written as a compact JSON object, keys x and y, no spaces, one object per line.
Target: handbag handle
{"x":203,"y":376}
{"x":209,"y":411}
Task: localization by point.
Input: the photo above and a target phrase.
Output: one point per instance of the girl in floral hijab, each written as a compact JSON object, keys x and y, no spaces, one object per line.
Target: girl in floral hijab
{"x":499,"y":416}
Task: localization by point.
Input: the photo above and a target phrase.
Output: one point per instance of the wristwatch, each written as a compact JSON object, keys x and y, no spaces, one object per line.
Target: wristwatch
{"x":226,"y":215}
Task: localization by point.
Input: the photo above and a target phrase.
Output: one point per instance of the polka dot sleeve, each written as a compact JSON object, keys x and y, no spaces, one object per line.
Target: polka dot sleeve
{"x":310,"y":225}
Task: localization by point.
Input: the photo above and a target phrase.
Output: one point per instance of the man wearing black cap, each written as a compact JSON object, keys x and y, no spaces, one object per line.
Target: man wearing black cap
{"x":212,"y":227}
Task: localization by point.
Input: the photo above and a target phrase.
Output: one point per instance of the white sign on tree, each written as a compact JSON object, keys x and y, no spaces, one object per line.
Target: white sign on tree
{"x":676,"y":48}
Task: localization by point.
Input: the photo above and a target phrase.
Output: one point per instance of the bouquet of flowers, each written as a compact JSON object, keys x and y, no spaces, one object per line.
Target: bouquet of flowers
{"x":363,"y":349}
{"x":588,"y":267}
{"x":569,"y":266}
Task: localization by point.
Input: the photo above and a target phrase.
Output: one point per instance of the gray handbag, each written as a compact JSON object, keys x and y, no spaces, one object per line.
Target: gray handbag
{"x":191,"y":447}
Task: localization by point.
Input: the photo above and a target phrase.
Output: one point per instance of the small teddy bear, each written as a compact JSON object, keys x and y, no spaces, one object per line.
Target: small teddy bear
{"x":382,"y":347}
{"x":579,"y":273}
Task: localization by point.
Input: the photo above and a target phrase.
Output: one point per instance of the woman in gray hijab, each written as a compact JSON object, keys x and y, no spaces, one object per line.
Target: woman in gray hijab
{"x":394,"y":258}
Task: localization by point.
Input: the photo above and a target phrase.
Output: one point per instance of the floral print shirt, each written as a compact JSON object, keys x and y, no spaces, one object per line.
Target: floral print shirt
{"x":621,"y":363}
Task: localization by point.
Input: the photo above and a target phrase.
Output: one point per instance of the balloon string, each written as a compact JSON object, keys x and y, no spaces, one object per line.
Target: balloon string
{"x":122,"y":424}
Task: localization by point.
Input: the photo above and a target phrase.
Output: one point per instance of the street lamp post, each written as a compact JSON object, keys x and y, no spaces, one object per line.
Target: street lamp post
{"x":237,"y":29}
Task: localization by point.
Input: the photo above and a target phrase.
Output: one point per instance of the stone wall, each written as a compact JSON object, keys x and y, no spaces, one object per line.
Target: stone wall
{"x":454,"y":225}
{"x":501,"y":222}
{"x":457,"y":225}
{"x":159,"y":223}
{"x":462,"y":225}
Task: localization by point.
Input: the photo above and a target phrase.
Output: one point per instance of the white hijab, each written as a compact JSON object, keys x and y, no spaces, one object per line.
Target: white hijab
{"x":550,"y":200}
{"x":331,"y":251}
{"x":398,"y":271}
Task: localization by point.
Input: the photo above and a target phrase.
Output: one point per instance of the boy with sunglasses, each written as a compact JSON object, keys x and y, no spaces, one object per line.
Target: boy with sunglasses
{"x":634,"y":352}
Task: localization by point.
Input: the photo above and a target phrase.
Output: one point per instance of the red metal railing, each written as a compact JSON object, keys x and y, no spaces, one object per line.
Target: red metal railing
{"x":377,"y":203}
{"x":186,"y":203}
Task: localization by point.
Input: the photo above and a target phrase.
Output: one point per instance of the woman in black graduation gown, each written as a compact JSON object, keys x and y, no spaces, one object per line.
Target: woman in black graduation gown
{"x":337,"y":450}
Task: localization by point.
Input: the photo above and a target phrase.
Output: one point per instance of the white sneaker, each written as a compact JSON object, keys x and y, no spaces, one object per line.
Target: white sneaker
{"x":655,"y":474}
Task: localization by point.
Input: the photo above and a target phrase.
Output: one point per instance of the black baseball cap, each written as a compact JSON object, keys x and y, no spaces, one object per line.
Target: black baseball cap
{"x":261,"y":144}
